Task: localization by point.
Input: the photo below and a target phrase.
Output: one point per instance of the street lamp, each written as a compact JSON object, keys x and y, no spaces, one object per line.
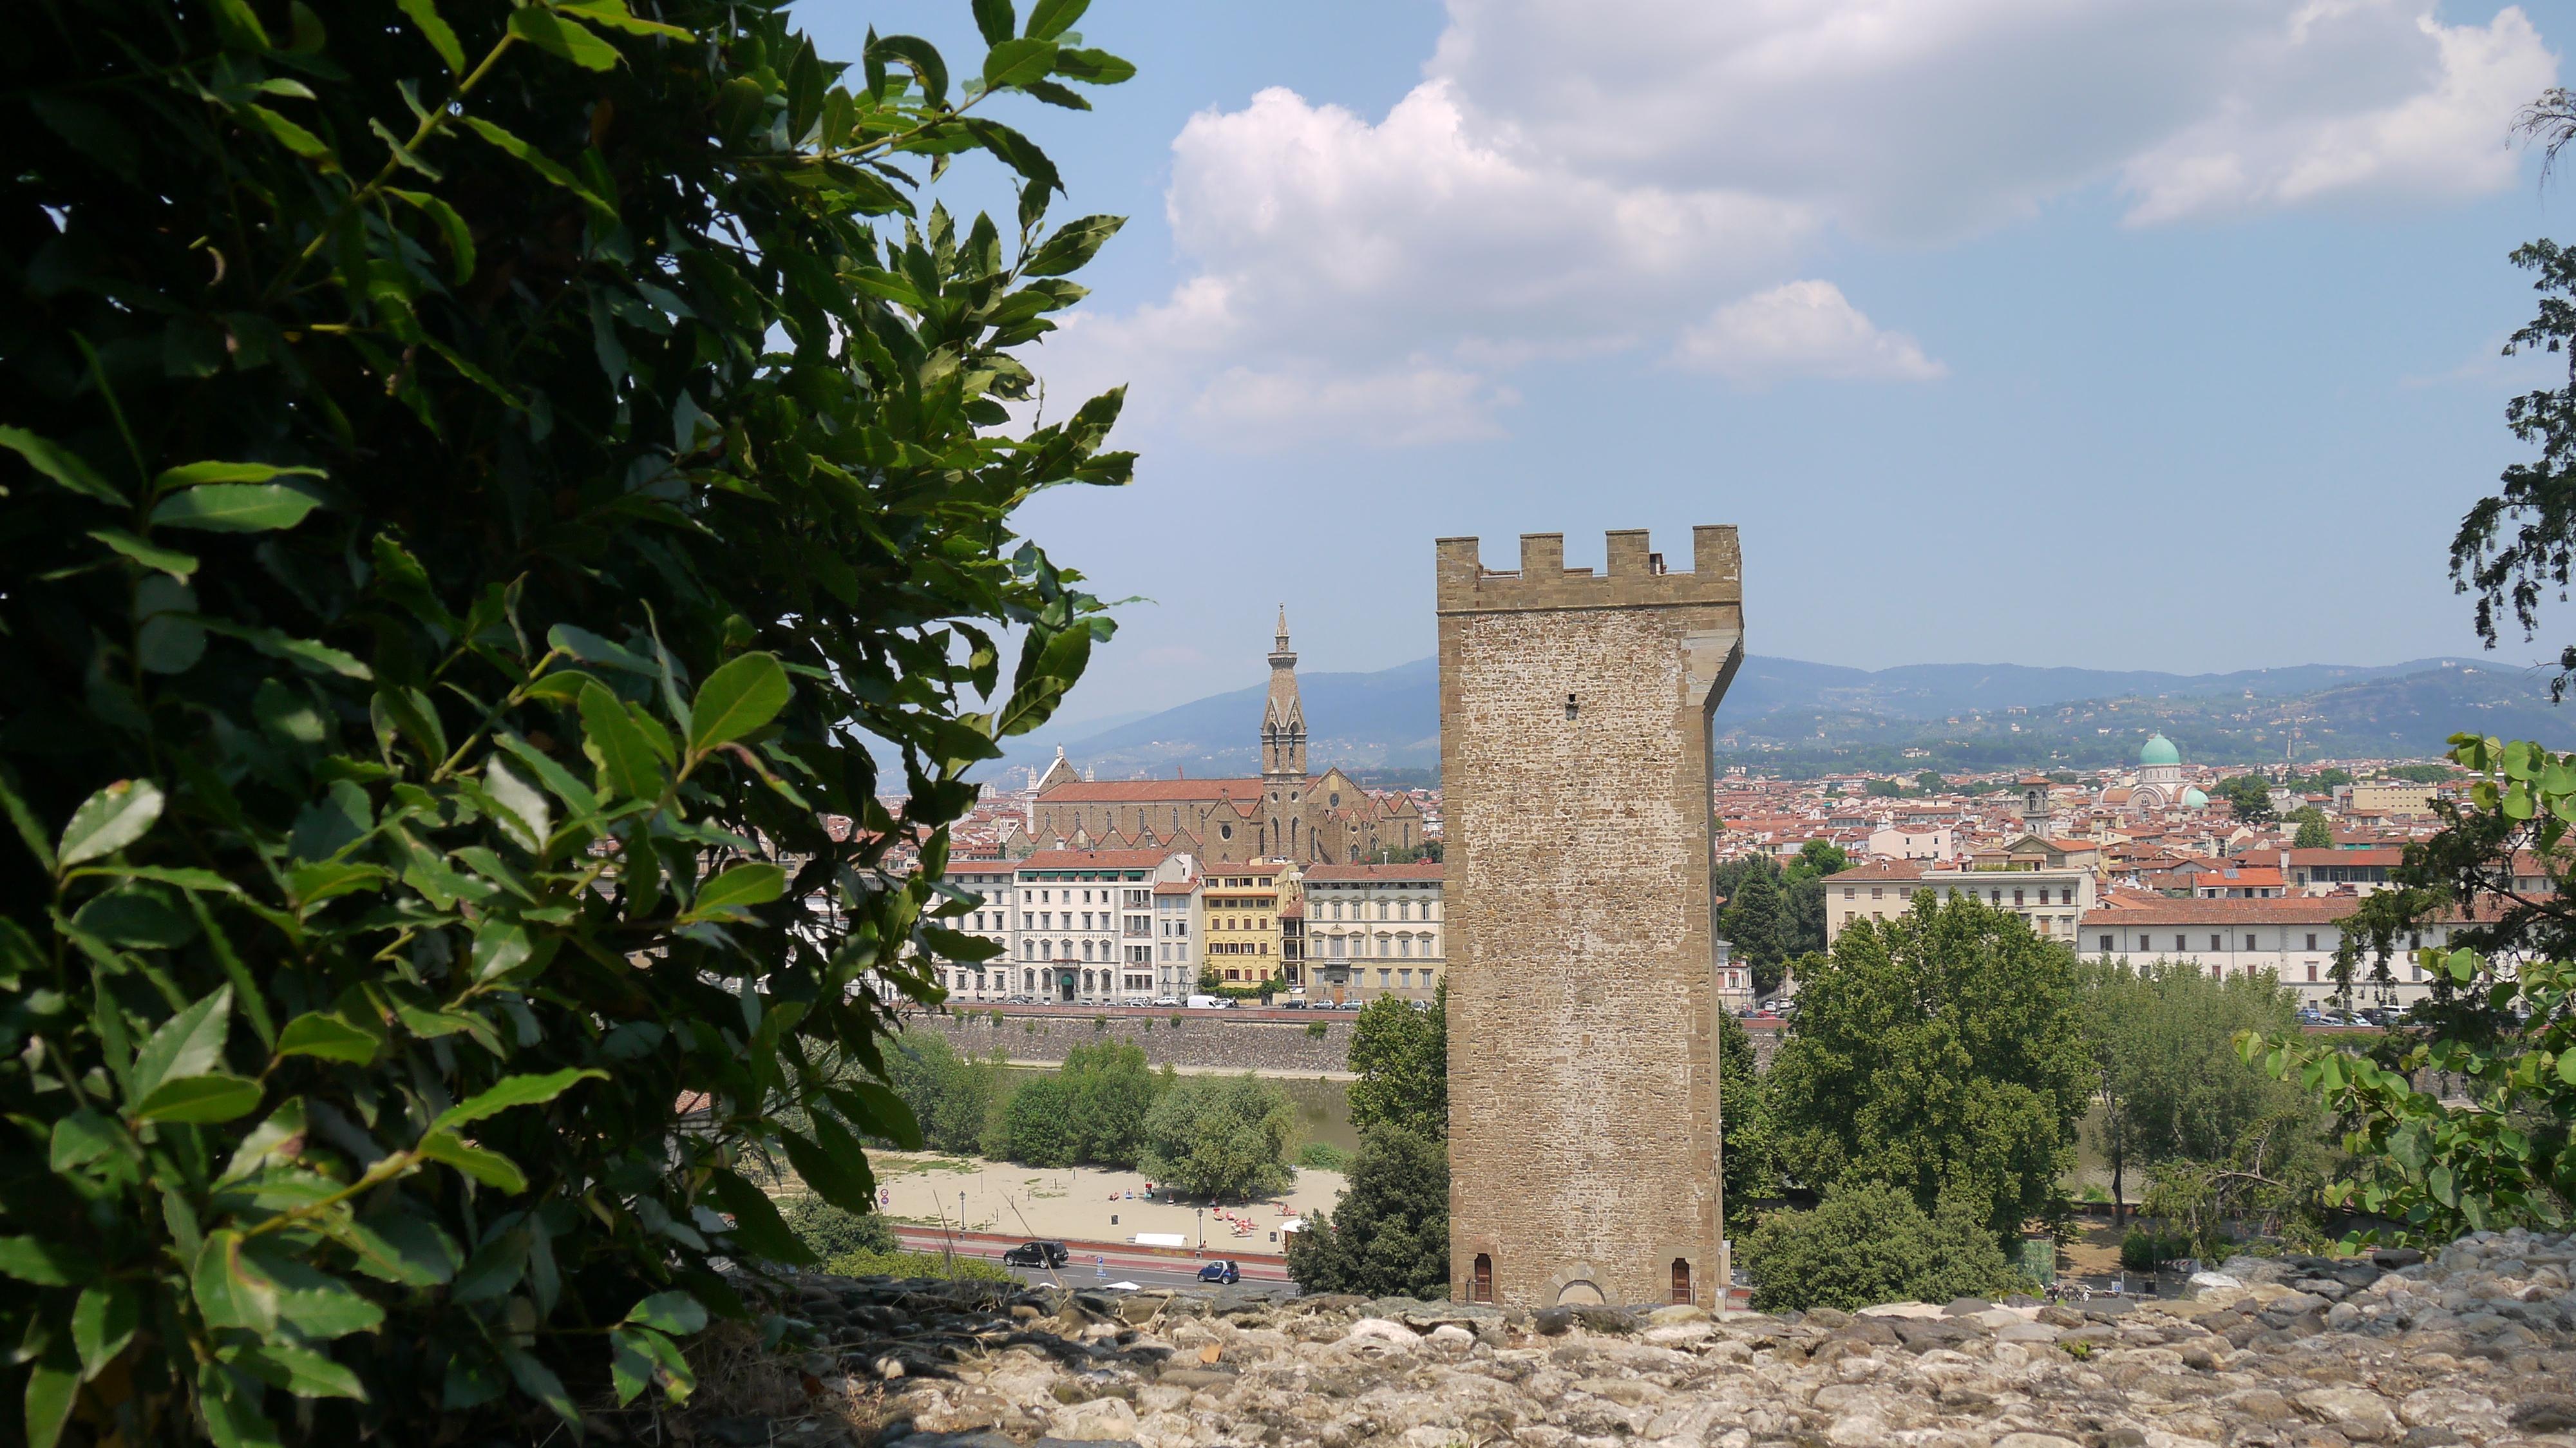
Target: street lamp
{"x":1202,"y":1229}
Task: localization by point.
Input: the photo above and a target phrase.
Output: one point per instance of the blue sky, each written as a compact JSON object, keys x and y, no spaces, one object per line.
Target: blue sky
{"x":2134,"y":333}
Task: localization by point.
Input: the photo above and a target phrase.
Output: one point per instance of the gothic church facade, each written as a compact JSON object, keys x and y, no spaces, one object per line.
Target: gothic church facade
{"x":1284,"y":814}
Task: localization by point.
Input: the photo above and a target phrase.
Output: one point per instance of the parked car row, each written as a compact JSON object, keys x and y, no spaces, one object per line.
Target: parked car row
{"x":2381,"y":1016}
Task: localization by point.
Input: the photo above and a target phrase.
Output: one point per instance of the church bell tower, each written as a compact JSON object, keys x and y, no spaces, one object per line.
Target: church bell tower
{"x":1283,"y":746}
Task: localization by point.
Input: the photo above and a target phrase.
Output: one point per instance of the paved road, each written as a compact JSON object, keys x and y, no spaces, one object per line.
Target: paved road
{"x":1145,"y":1269}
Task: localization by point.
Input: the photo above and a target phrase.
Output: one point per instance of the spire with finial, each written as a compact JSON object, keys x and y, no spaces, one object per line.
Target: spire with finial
{"x":1283,"y":717}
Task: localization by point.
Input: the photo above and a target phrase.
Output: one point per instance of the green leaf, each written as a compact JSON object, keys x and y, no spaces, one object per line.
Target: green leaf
{"x":51,"y":1389}
{"x":108,"y":821}
{"x":1072,"y":246}
{"x":540,"y":162}
{"x":47,"y":1264}
{"x":525,"y":816}
{"x":676,"y":1313}
{"x":104,"y":1320}
{"x":1050,"y":19}
{"x":230,"y":1400}
{"x":459,"y":237}
{"x":743,"y":885}
{"x":1096,"y":67}
{"x":277,"y":1141}
{"x":2440,"y":1183}
{"x":512,"y":1091}
{"x":193,"y":475}
{"x":880,"y":1112}
{"x":61,"y":464}
{"x":994,"y":20}
{"x":290,"y":135}
{"x":496,"y":1267}
{"x":190,"y":1043}
{"x":550,"y":32}
{"x":301,"y":1371}
{"x":590,"y":648}
{"x":757,"y":1225}
{"x":626,"y":760}
{"x":329,"y":1037}
{"x":834,"y":1165}
{"x":1017,"y":62}
{"x":539,"y":1381}
{"x":425,"y":18}
{"x":737,"y":699}
{"x":397,"y":1246}
{"x":630,"y":1364}
{"x":234,"y":508}
{"x":230,"y":1289}
{"x":490,"y":1168}
{"x":200,"y":1099}
{"x":615,"y":15}
{"x":151,"y":555}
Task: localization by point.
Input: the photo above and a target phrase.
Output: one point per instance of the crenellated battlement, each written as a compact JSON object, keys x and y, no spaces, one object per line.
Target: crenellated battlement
{"x":1635,"y":578}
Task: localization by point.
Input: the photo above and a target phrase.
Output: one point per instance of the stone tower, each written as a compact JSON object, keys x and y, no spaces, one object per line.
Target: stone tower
{"x":1574,"y":753}
{"x":1283,"y":746}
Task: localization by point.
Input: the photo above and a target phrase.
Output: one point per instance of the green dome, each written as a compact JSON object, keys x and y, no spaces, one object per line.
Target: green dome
{"x":2192,"y":798}
{"x":2160,"y":750}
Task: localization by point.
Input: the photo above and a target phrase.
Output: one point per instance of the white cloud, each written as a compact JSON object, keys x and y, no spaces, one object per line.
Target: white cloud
{"x":1580,"y":179}
{"x":1801,"y":329}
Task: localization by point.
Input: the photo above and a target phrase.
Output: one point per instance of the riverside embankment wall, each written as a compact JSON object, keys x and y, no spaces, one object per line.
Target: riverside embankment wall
{"x":1203,"y":1039}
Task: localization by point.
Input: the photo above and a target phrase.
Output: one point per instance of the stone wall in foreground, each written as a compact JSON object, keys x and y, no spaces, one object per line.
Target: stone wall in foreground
{"x":2473,"y":1349}
{"x":1198,"y":1041}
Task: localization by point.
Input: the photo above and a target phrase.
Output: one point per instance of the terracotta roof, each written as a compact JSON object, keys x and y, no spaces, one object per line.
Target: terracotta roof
{"x":2162,"y":910}
{"x":1361,"y":874}
{"x":1155,"y":791}
{"x":1882,"y":870}
{"x":1175,"y":887}
{"x":1093,"y":860}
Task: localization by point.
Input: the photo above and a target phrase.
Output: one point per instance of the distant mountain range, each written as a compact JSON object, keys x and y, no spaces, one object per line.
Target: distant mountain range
{"x":1796,"y":718}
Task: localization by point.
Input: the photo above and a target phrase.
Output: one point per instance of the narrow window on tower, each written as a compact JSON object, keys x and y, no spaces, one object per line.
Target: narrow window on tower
{"x":1569,"y":706}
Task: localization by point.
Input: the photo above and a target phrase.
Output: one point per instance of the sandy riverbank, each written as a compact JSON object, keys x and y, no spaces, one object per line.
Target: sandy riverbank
{"x":1077,"y":1202}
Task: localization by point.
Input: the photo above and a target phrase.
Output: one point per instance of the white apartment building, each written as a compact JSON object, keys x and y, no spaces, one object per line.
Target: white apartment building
{"x":1179,"y":918}
{"x":990,"y":880}
{"x":2294,"y":937}
{"x":1372,"y":930}
{"x":1938,"y":843}
{"x":1075,"y":926}
{"x":2052,"y":900}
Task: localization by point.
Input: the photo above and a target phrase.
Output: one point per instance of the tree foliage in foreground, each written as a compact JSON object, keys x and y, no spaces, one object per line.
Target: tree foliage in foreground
{"x":1939,"y":1052}
{"x":1388,"y":1234}
{"x":475,"y":472}
{"x":1870,"y":1243}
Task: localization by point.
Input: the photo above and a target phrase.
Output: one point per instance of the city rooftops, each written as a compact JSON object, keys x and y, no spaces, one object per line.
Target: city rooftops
{"x":1420,"y":870}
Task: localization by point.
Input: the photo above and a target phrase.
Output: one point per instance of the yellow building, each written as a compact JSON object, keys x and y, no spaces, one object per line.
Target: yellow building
{"x":1242,"y":943}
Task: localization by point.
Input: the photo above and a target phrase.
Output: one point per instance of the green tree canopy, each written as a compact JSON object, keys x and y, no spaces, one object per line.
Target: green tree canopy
{"x":2313,"y":834}
{"x":1112,"y":1090}
{"x":1757,"y":920}
{"x":2163,"y":1043}
{"x":1037,"y":1124}
{"x":1871,"y":1243}
{"x":954,"y":1097}
{"x":476,"y":473}
{"x":2249,"y":797}
{"x":1939,"y":1052}
{"x":1749,"y":1164}
{"x":1220,"y":1136}
{"x":1401,"y":1056}
{"x":1388,"y":1235}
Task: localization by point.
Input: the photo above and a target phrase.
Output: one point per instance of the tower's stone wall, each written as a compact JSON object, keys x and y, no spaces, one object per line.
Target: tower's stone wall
{"x":1584,"y":1119}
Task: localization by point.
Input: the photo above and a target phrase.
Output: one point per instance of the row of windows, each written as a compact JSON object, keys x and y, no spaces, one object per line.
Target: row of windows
{"x":1994,"y":894}
{"x":1403,"y":910}
{"x":1344,"y":947}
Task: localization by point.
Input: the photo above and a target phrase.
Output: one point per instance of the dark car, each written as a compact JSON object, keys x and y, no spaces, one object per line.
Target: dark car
{"x":1038,"y":1254}
{"x":1221,"y":1272}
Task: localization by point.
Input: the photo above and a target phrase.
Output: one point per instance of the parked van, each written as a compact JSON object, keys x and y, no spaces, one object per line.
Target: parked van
{"x":1206,"y":1002}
